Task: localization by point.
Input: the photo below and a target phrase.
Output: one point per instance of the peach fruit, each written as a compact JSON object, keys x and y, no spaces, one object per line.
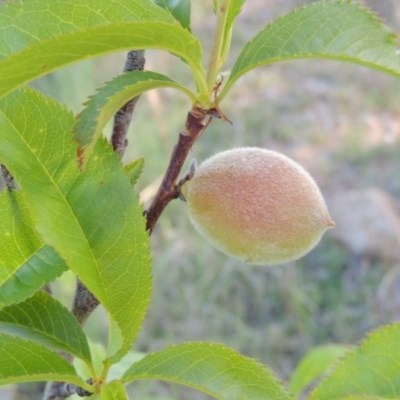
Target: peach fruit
{"x":256,"y":205}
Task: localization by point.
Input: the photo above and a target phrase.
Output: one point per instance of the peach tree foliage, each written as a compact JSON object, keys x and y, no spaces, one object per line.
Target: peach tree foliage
{"x":75,"y":207}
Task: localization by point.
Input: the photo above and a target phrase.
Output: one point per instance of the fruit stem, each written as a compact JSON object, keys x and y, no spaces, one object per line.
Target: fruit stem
{"x":216,"y":59}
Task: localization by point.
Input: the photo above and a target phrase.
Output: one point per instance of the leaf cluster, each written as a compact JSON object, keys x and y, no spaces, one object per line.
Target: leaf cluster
{"x":76,"y":209}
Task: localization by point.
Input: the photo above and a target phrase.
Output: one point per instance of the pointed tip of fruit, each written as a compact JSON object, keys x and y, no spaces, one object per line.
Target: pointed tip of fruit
{"x":331,"y":224}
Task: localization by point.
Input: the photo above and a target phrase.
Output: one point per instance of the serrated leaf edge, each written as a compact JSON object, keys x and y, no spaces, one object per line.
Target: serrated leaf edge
{"x":391,"y":37}
{"x":257,"y":364}
{"x":352,"y":352}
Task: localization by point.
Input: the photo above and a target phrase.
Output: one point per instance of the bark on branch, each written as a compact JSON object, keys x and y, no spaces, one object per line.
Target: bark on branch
{"x":8,"y":178}
{"x":134,"y":62}
{"x":62,"y":390}
{"x":197,"y":120}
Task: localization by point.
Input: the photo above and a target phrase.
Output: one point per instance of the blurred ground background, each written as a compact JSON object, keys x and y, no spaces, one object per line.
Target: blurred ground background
{"x":342,"y":123}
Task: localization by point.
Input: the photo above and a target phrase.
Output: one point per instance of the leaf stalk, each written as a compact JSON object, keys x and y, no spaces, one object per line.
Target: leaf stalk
{"x":217,"y":59}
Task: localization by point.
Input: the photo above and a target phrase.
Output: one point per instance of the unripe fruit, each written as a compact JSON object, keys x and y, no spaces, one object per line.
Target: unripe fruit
{"x":256,"y":205}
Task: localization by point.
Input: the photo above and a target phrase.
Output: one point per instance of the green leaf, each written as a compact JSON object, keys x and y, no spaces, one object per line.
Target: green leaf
{"x":44,"y":320}
{"x":361,"y":398}
{"x":119,"y":369}
{"x":315,"y":363}
{"x":25,"y":361}
{"x":134,"y":170}
{"x":113,"y":391}
{"x":234,"y":10}
{"x":98,"y":354}
{"x":211,"y":368}
{"x":370,"y":371}
{"x":91,"y":219}
{"x":26,"y":263}
{"x":338,"y":30}
{"x":39,"y":36}
{"x":180,"y":9}
{"x":111,"y":97}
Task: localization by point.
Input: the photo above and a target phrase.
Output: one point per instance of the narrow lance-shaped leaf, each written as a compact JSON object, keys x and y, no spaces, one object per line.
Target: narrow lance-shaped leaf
{"x":39,"y":36}
{"x":93,"y":220}
{"x":26,"y":262}
{"x":180,"y":9}
{"x":111,"y":97}
{"x":335,"y":29}
{"x":113,"y":391}
{"x":314,"y":364}
{"x":211,"y":368}
{"x":234,"y":11}
{"x":26,"y":361}
{"x":45,"y":320}
{"x":369,"y":371}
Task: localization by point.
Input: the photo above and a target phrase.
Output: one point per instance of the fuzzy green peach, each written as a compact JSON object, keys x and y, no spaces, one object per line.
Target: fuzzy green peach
{"x":256,"y":205}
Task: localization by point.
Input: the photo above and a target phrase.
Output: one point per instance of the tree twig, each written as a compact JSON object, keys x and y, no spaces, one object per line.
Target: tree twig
{"x":197,"y":120}
{"x":134,"y":62}
{"x":63,"y":390}
{"x":84,"y":303}
{"x":8,"y":178}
